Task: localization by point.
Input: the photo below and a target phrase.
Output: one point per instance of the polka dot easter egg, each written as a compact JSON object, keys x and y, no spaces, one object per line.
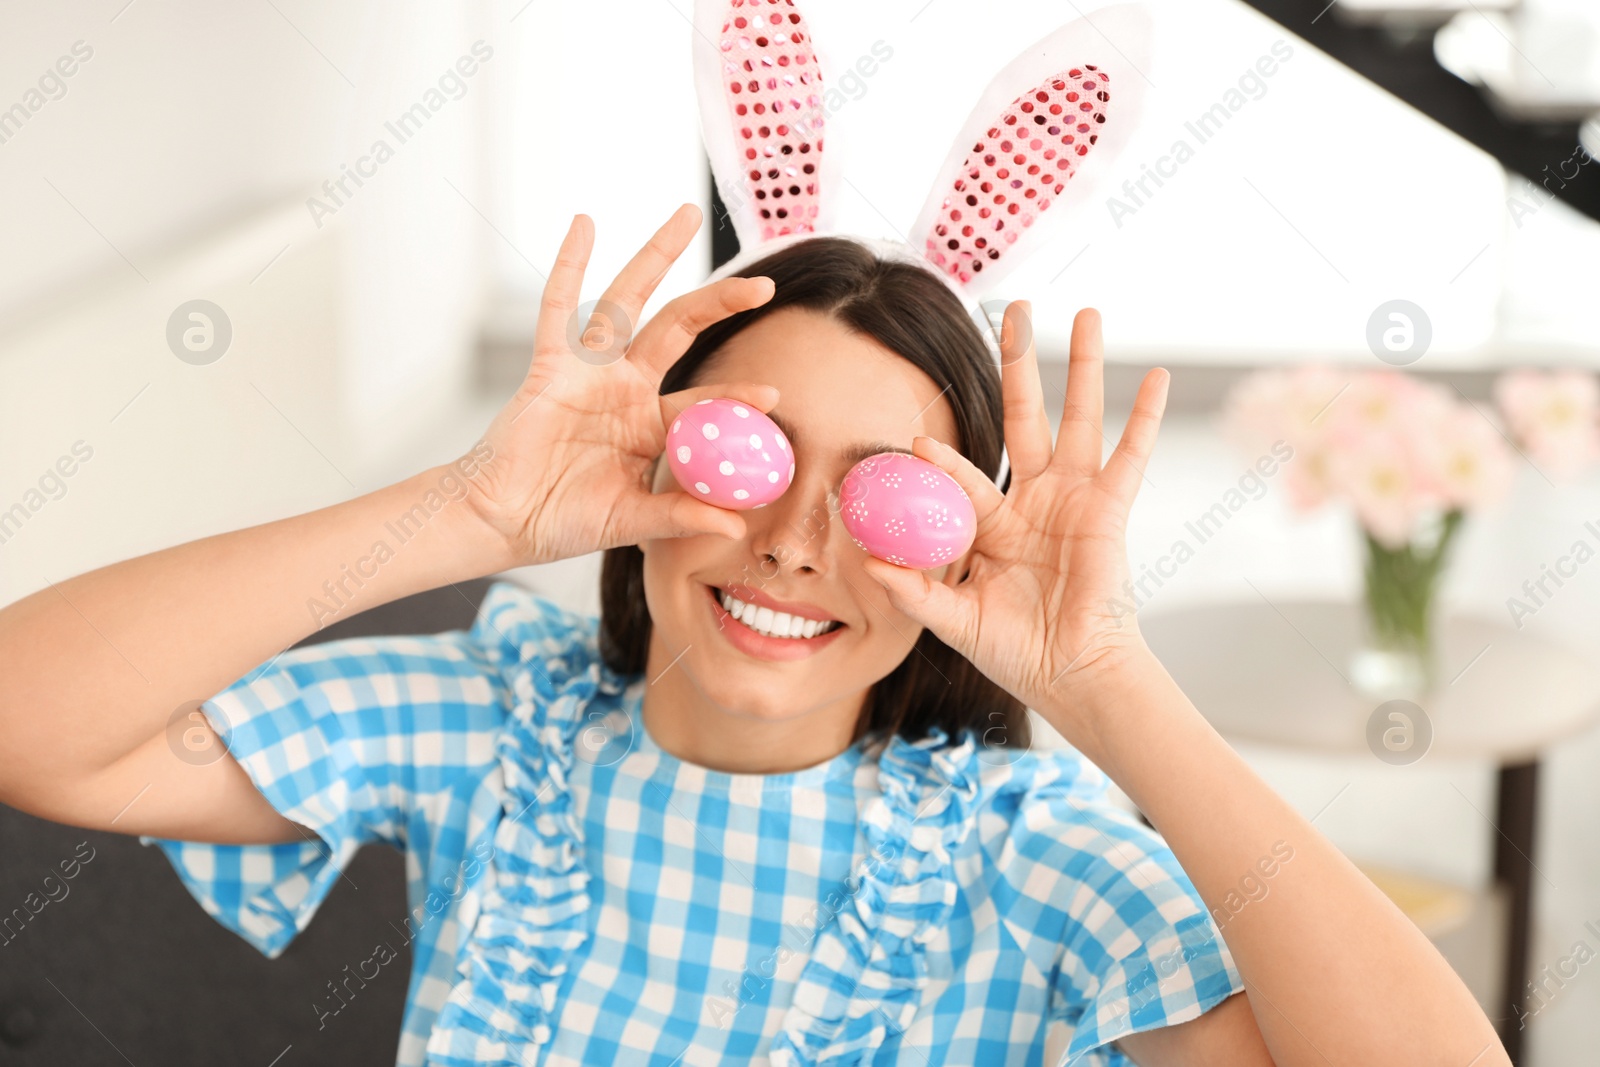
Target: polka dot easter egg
{"x":729,"y":454}
{"x":907,"y":511}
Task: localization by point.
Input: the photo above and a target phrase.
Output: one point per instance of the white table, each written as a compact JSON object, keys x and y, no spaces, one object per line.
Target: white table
{"x":1275,"y":673}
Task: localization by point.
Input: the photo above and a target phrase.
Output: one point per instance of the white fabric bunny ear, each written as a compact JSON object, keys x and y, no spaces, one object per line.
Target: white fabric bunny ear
{"x":1041,"y":138}
{"x":758,"y":80}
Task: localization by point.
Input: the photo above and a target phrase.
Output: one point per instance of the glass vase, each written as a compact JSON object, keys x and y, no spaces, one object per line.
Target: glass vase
{"x":1396,"y":658}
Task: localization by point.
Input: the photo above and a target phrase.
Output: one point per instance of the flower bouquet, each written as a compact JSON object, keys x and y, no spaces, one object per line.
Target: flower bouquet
{"x":1410,"y":459}
{"x":1554,"y":417}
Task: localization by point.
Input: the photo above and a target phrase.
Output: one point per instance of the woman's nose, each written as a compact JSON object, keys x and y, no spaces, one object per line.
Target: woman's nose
{"x":796,"y":529}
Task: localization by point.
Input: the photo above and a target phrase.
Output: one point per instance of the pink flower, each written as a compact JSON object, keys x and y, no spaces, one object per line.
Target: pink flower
{"x":1372,"y":402}
{"x":1281,"y":405}
{"x":1397,"y":448}
{"x":1379,"y":476}
{"x":1379,"y":402}
{"x":1465,"y":460}
{"x":1309,"y":477}
{"x":1553,"y":416}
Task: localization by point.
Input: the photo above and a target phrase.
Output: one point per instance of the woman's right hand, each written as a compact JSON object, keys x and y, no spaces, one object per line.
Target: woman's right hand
{"x":573,"y":450}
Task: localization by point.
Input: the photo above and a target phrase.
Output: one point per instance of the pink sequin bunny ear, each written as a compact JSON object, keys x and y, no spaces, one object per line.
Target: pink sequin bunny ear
{"x":1042,"y":137}
{"x":758,"y":78}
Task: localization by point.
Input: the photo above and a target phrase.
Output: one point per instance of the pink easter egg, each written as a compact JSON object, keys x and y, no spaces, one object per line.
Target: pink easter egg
{"x":729,"y":454}
{"x":906,"y":511}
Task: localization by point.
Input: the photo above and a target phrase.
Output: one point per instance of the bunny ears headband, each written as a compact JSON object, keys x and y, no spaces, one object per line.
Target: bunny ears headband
{"x":1043,"y":132}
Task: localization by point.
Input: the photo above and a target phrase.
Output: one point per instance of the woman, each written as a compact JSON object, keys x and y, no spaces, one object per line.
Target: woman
{"x":678,"y":838}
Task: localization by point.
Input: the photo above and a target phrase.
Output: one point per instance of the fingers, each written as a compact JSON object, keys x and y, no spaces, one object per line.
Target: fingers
{"x":669,"y":333}
{"x":625,"y":298}
{"x":665,"y":337}
{"x":677,"y":514}
{"x":761,"y":397}
{"x":984,"y":494}
{"x":1078,"y":450}
{"x":1027,"y":426}
{"x":562,"y":288}
{"x":951,"y":615}
{"x":1125,"y":469}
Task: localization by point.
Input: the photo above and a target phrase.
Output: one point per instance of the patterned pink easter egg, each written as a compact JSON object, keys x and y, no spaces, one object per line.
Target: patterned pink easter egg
{"x":729,"y":454}
{"x":907,"y":511}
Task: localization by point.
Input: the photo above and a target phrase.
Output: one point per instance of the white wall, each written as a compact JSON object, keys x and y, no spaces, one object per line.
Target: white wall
{"x":181,"y":163}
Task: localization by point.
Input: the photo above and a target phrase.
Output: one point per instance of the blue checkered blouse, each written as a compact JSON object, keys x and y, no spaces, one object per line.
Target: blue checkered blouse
{"x":580,"y":896}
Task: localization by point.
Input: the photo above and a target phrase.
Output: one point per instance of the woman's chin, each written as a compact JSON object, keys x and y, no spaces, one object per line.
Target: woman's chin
{"x":743,"y":694}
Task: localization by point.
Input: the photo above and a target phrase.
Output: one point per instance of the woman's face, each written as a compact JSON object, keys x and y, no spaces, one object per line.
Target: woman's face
{"x":839,"y":391}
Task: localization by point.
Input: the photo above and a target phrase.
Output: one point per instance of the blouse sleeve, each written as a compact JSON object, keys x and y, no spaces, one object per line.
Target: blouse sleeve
{"x":361,"y":740}
{"x":1098,"y":901}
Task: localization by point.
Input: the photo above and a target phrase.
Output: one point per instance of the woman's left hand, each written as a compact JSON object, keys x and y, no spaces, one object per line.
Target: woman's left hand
{"x":1042,"y":611}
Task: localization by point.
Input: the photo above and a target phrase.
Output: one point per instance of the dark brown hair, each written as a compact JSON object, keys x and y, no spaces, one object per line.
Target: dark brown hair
{"x":910,"y":312}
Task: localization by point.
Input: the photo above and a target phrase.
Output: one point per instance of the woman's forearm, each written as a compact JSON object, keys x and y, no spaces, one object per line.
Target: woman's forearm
{"x":1334,"y":970}
{"x":92,"y":667}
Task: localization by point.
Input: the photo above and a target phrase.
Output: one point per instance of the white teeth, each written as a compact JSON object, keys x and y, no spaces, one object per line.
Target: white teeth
{"x":774,"y":623}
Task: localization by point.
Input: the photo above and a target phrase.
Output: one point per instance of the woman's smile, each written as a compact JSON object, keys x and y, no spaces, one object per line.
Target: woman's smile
{"x":739,"y":632}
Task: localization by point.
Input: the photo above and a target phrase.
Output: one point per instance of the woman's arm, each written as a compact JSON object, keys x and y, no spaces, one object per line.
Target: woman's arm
{"x":93,"y":669}
{"x":1334,"y":972}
